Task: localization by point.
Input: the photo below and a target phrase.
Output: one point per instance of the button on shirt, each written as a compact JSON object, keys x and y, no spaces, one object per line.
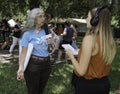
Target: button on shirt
{"x":40,"y":46}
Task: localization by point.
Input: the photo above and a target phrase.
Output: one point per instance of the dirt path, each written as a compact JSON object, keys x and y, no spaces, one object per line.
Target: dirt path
{"x":6,"y":58}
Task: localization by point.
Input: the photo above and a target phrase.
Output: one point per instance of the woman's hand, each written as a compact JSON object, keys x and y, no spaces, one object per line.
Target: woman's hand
{"x":20,"y":73}
{"x":49,"y":40}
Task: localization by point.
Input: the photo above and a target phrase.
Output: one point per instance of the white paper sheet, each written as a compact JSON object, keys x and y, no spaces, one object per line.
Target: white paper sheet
{"x":12,"y":22}
{"x":28,"y":55}
{"x":68,"y":46}
{"x":46,"y":36}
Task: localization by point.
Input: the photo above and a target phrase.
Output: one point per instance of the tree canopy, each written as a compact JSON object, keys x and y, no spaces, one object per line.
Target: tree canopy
{"x":57,"y":8}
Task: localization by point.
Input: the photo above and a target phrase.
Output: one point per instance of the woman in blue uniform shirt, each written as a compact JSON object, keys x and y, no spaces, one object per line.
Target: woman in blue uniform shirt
{"x":39,"y":67}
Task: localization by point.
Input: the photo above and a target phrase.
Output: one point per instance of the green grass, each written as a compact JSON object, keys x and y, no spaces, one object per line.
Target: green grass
{"x":59,"y":81}
{"x":115,"y":71}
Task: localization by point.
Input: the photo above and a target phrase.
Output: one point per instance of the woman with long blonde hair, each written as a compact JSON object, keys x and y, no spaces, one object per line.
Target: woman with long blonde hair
{"x":92,"y":67}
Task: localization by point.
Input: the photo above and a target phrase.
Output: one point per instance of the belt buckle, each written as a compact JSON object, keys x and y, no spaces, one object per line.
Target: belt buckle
{"x":40,"y":58}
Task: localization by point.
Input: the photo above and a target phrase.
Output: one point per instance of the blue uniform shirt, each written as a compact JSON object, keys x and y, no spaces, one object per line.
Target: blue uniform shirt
{"x":40,"y":46}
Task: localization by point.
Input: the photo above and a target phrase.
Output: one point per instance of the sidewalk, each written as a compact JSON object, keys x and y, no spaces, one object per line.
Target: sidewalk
{"x":4,"y":56}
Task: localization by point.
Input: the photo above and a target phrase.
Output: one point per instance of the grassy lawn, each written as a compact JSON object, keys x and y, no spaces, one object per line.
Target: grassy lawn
{"x":59,"y":82}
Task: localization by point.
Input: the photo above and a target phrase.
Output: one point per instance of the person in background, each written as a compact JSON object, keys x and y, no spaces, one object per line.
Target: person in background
{"x":92,"y":67}
{"x":39,"y":66}
{"x":6,"y":33}
{"x":66,"y":39}
{"x":1,"y":30}
{"x":74,"y":27}
{"x":74,"y":44}
{"x":59,"y":28}
{"x":16,"y":36}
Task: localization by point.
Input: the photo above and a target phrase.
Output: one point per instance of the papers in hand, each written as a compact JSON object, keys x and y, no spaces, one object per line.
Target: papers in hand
{"x":12,"y":22}
{"x":46,"y":36}
{"x":28,"y":55}
{"x":68,"y":46}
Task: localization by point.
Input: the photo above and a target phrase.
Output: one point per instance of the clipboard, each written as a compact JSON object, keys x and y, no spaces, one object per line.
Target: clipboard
{"x":28,"y":55}
{"x":68,"y":46}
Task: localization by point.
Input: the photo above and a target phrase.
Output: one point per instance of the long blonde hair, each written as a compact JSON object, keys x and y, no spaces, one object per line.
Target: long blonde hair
{"x":103,"y":29}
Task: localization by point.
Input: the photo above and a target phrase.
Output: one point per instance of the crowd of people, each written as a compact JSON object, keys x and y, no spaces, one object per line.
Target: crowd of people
{"x":10,"y":36}
{"x":90,"y":69}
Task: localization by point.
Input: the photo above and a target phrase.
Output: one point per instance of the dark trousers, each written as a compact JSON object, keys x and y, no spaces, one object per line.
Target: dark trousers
{"x":36,"y":75}
{"x":94,"y":86}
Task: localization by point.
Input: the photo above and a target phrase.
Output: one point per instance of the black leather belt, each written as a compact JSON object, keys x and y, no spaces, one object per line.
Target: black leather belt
{"x":39,"y":58}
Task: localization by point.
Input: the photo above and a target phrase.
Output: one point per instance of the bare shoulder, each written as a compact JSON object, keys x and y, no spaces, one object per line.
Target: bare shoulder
{"x":87,"y":39}
{"x":87,"y":42}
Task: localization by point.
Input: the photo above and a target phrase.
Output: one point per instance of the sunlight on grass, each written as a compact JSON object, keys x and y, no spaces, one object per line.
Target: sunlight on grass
{"x":115,"y":72}
{"x":59,"y":81}
{"x":8,"y":81}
